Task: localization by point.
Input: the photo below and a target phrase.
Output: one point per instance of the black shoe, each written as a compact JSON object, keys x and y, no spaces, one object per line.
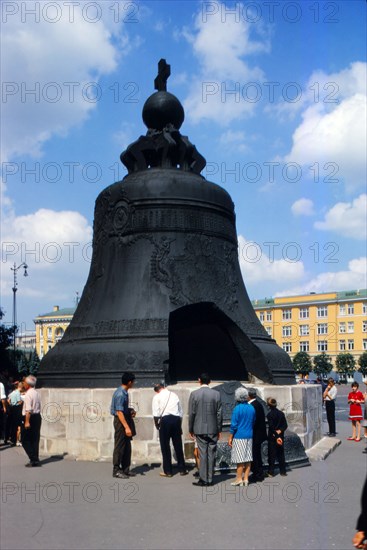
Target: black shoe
{"x":129,"y":474}
{"x":34,"y":464}
{"x":364,"y":451}
{"x":270,"y":474}
{"x":196,"y":474}
{"x":184,"y":473}
{"x":120,"y":475}
{"x":201,"y":483}
{"x":283,"y":474}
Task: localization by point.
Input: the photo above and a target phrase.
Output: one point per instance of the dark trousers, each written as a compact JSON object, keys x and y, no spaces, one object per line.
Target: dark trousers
{"x":4,"y":427}
{"x":31,"y":437}
{"x":122,"y":451}
{"x":330,"y":415}
{"x":276,"y":451}
{"x":171,"y":429}
{"x":257,"y":462}
{"x":207,"y":445}
{"x":14,"y":421}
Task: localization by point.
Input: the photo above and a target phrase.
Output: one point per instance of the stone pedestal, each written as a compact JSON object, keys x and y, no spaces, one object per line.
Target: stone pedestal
{"x":78,"y":421}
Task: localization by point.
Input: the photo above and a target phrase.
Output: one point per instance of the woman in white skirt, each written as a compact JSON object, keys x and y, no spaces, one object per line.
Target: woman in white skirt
{"x":241,"y":433}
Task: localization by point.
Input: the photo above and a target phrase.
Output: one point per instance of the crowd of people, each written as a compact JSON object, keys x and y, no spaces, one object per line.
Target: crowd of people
{"x":247,"y":432}
{"x":20,"y":425}
{"x":20,"y":416}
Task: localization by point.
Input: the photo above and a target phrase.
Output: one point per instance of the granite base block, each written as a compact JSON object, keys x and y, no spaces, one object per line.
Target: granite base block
{"x":78,"y":422}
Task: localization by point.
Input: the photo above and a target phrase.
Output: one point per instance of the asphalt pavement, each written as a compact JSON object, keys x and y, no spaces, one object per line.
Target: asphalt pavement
{"x":71,"y":505}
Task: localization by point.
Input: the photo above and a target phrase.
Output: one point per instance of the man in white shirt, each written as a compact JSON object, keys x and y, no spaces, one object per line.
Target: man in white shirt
{"x":329,"y":398}
{"x":31,"y":428}
{"x":167,"y":414}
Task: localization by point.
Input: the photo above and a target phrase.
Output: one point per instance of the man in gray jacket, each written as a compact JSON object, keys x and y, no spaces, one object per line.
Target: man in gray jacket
{"x":205,"y":423}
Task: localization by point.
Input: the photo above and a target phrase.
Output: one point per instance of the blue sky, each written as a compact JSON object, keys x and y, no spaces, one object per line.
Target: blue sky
{"x":274,"y":97}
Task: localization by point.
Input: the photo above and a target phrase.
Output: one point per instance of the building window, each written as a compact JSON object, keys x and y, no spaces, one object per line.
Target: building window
{"x":322,"y":345}
{"x":364,"y":307}
{"x":304,"y":313}
{"x":59,"y":333}
{"x":304,"y":330}
{"x":342,"y":345}
{"x":350,"y":327}
{"x":49,"y":332}
{"x":322,"y":328}
{"x":342,"y":328}
{"x":350,"y":309}
{"x":364,"y":326}
{"x":269,"y":330}
{"x":322,"y":311}
{"x":269,"y":316}
{"x":262,"y":317}
{"x":304,"y":346}
{"x":342,"y":309}
{"x":364,"y":344}
{"x":287,"y":314}
{"x":287,"y":332}
{"x":350,"y":344}
{"x":287,"y":346}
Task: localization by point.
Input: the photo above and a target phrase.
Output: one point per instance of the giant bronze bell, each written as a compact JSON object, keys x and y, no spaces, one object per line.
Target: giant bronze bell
{"x":165,"y":296}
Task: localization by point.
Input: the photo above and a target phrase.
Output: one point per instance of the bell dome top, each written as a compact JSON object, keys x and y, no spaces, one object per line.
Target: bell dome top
{"x":163,"y":146}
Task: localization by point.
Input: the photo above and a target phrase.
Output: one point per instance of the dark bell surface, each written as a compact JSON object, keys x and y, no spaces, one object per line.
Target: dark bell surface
{"x":161,"y":109}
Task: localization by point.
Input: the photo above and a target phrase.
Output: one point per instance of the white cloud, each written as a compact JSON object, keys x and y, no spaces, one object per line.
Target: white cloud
{"x":58,"y":61}
{"x":347,"y":219}
{"x":353,"y":278}
{"x":333,"y":130}
{"x":303,"y":207}
{"x":234,"y":140}
{"x":55,"y":245}
{"x":256,"y":266}
{"x":221,"y":47}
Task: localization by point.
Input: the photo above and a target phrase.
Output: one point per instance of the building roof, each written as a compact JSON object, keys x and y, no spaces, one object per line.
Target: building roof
{"x":313,"y":296}
{"x":64,"y":312}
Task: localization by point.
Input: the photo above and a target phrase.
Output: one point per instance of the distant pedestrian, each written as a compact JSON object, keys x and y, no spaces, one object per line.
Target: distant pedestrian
{"x":355,"y":400}
{"x":329,"y":397}
{"x":240,"y":438}
{"x":15,"y":413}
{"x":124,"y":426}
{"x":259,"y":437}
{"x":3,"y":412}
{"x":277,"y":426}
{"x":365,"y":418}
{"x":31,"y":427}
{"x":205,"y":422}
{"x":167,"y":414}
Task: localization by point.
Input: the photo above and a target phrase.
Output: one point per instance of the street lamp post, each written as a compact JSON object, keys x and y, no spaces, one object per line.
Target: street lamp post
{"x":14,"y":289}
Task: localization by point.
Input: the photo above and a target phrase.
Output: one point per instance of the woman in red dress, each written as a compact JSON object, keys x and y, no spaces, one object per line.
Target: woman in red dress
{"x":355,"y":400}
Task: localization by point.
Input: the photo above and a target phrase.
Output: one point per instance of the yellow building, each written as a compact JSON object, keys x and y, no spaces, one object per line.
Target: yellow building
{"x":333,"y":322}
{"x":50,"y":328}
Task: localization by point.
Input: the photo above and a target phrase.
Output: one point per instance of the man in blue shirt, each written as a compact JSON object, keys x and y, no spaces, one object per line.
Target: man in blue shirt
{"x":123,"y":424}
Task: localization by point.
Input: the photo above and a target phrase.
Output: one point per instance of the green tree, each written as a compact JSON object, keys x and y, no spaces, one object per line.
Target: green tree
{"x":28,"y":362}
{"x":6,"y":342}
{"x":345,"y":364}
{"x":362,"y":362}
{"x":302,"y":363}
{"x":322,"y":364}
